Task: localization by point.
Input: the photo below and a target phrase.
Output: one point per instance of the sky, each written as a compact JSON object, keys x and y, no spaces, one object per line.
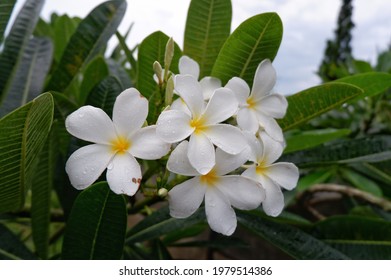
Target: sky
{"x":307,"y":26}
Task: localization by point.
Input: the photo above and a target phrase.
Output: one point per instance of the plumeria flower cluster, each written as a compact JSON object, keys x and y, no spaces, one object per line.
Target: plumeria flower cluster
{"x":213,"y":133}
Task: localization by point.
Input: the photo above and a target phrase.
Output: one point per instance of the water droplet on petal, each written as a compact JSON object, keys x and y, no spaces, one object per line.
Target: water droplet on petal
{"x":81,"y":115}
{"x":110,"y":166}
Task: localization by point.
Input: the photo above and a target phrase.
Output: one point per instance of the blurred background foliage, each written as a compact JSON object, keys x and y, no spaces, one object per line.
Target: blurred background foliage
{"x":337,"y":133}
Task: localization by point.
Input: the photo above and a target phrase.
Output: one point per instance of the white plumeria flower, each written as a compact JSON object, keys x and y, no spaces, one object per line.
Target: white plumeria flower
{"x":188,"y":66}
{"x":203,"y":125}
{"x":116,"y":143}
{"x":260,"y":108}
{"x":264,"y":152}
{"x":220,"y":191}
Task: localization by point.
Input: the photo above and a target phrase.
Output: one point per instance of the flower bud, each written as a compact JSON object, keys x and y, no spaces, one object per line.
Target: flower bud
{"x":162,"y":192}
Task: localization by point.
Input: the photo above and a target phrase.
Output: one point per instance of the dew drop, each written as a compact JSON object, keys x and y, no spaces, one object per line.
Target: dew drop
{"x":110,"y":166}
{"x":84,"y":172}
{"x":81,"y":115}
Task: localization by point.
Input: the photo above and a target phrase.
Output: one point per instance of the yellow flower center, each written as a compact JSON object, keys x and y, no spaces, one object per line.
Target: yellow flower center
{"x":261,"y":168}
{"x":210,"y":179}
{"x":120,"y":145}
{"x":198,"y":124}
{"x":251,"y":102}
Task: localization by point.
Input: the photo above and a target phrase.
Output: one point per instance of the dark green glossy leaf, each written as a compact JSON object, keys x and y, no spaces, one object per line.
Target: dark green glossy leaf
{"x":308,"y":139}
{"x":16,"y":42}
{"x":152,"y":49}
{"x":96,"y":226}
{"x":63,"y":29}
{"x":315,"y":101}
{"x":104,"y":94}
{"x":95,"y":72}
{"x":361,"y":182}
{"x":357,"y":236}
{"x":208,"y":25}
{"x":291,"y":240}
{"x":6,"y":7}
{"x":116,"y":70}
{"x":22,"y":135}
{"x":161,"y":223}
{"x":313,"y":178}
{"x":369,"y":149}
{"x":89,"y":39}
{"x":256,"y":39}
{"x":41,"y":194}
{"x":11,"y":247}
{"x":30,"y":75}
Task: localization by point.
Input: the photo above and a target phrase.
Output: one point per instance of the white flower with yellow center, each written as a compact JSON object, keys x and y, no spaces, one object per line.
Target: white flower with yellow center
{"x":221,"y":191}
{"x":188,"y":66}
{"x":203,"y":125}
{"x":116,"y":144}
{"x":260,"y":108}
{"x":272,"y":176}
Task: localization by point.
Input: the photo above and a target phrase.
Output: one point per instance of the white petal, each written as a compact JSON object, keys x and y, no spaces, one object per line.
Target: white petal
{"x":91,"y":124}
{"x":264,"y":79}
{"x":256,"y":147}
{"x":270,"y":126}
{"x":124,"y":174}
{"x":226,"y":163}
{"x":227,"y":137}
{"x":201,"y":153}
{"x":274,"y":201}
{"x":86,"y":164}
{"x":179,"y":162}
{"x":190,"y":90}
{"x":188,"y":66}
{"x":185,"y":198}
{"x":247,"y":120}
{"x":283,"y":173}
{"x":240,"y":89}
{"x":130,"y":111}
{"x":145,"y":144}
{"x":219,"y":213}
{"x":173,"y":126}
{"x":273,"y":105}
{"x":272,"y":149}
{"x":209,"y":85}
{"x":243,"y":193}
{"x":180,"y":105}
{"x":221,"y":106}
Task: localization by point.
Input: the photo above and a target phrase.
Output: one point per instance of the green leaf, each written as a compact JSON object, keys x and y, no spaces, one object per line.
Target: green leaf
{"x":116,"y":70}
{"x":291,"y":240}
{"x":96,"y":226}
{"x":95,"y":72}
{"x":104,"y":94}
{"x":372,"y":83}
{"x":375,"y":172}
{"x":356,"y":236}
{"x":308,"y":139}
{"x":161,"y":223}
{"x":6,"y":8}
{"x":362,"y":182}
{"x":22,"y":135}
{"x":152,"y":49}
{"x":208,"y":25}
{"x":129,"y":54}
{"x":369,"y":149}
{"x":89,"y":39}
{"x":41,"y":192}
{"x":315,"y":101}
{"x":313,"y":178}
{"x":63,"y":29}
{"x":30,"y":75}
{"x":11,"y":247}
{"x":16,"y":42}
{"x":256,"y":39}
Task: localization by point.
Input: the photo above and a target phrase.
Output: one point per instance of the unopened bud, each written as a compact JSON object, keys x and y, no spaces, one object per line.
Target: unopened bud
{"x":169,"y":91}
{"x":157,"y":68}
{"x":162,"y":192}
{"x":169,"y":54}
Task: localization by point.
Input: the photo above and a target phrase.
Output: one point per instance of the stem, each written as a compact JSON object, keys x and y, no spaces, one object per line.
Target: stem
{"x":352,"y":192}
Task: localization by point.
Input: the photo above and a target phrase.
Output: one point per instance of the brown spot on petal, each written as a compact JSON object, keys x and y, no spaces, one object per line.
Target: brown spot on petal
{"x":134,"y":180}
